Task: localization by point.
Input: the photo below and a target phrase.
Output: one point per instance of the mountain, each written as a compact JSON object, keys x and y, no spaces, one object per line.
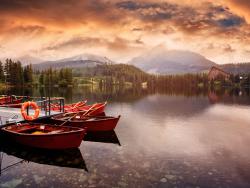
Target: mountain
{"x":27,"y":59}
{"x":78,"y":61}
{"x":160,"y":60}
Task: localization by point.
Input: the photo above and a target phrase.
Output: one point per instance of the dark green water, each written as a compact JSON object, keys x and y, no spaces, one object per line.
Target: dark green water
{"x":164,"y":139}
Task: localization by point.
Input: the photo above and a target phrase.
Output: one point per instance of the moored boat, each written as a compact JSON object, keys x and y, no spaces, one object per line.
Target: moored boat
{"x":45,"y":136}
{"x":68,"y":107}
{"x":5,"y":99}
{"x":94,"y":109}
{"x":91,"y":123}
{"x":11,"y":101}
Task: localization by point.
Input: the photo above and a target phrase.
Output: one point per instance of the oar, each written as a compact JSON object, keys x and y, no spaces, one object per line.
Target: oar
{"x":93,"y":110}
{"x":78,"y":105}
{"x":104,"y":104}
{"x":86,"y":112}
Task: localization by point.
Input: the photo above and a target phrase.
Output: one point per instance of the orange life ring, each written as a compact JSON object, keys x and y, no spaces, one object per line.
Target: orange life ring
{"x":24,"y":110}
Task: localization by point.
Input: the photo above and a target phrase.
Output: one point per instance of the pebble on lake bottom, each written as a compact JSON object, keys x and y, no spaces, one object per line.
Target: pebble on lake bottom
{"x":163,"y":180}
{"x":12,"y":183}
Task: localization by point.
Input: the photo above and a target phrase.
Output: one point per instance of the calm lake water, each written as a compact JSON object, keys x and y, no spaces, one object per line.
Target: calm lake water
{"x":163,"y":139}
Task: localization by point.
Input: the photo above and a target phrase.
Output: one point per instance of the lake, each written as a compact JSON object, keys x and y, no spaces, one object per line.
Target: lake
{"x":164,"y":138}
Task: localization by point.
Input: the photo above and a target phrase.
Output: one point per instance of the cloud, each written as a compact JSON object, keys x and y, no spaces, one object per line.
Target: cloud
{"x":187,"y":19}
{"x":228,"y":48}
{"x":121,"y":26}
{"x":241,"y":7}
{"x":28,"y":29}
{"x":59,"y":12}
{"x":73,"y":14}
{"x":76,"y":42}
{"x":133,"y":5}
{"x":232,"y":21}
{"x":116,"y":44}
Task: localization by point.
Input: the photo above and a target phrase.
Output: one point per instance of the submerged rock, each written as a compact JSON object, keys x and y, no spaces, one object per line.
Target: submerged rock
{"x":38,"y":179}
{"x":12,"y":183}
{"x":170,"y":177}
{"x":163,"y":180}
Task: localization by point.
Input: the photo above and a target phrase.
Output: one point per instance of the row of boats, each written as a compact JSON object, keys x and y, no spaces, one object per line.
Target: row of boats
{"x":63,"y":130}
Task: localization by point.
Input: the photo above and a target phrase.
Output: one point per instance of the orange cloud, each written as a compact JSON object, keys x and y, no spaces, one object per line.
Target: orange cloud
{"x":241,"y":7}
{"x":121,"y":27}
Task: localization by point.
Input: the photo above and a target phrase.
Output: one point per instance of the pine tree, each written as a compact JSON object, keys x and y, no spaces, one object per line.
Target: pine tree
{"x":41,"y":78}
{"x":2,"y":77}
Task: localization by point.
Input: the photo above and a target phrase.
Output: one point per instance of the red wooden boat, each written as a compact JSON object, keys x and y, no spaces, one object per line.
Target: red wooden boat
{"x":10,"y":101}
{"x":5,"y":99}
{"x":68,"y":107}
{"x":91,"y":123}
{"x":94,"y":109}
{"x":45,"y":136}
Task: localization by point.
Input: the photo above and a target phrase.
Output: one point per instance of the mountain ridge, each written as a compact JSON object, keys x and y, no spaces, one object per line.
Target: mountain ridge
{"x":160,"y":60}
{"x":77,"y":61}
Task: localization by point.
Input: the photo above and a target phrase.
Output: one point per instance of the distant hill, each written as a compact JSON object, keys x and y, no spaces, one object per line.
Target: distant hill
{"x":159,"y":60}
{"x":79,"y":61}
{"x":114,"y":70}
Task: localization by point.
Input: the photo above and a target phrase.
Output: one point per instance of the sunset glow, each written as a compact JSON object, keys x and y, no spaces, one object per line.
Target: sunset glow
{"x":121,"y":30}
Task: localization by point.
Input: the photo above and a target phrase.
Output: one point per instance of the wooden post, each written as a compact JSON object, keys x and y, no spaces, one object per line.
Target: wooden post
{"x":49,"y":105}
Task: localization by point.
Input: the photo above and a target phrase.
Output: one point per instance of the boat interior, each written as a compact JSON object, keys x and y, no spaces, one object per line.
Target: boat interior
{"x":80,"y":117}
{"x":36,"y":129}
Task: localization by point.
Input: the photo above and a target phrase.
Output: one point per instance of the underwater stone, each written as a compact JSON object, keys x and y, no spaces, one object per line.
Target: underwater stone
{"x":163,"y":180}
{"x":170,"y":177}
{"x":12,"y":183}
{"x":38,"y":179}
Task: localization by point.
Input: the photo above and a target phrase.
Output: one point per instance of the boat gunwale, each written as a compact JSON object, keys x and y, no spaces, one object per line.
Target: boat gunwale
{"x":81,"y":121}
{"x":78,"y":129}
{"x":100,"y":105}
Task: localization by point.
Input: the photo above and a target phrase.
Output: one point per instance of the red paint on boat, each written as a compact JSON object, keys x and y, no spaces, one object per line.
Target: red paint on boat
{"x":91,"y":123}
{"x":10,"y":102}
{"x":68,"y":107}
{"x":44,"y":135}
{"x":96,"y":110}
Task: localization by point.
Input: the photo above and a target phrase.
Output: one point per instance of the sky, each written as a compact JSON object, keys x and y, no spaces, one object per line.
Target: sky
{"x":121,"y":30}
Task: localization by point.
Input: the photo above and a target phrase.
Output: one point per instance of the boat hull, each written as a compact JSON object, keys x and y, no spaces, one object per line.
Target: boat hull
{"x":17,"y":103}
{"x":107,"y":124}
{"x":71,"y":139}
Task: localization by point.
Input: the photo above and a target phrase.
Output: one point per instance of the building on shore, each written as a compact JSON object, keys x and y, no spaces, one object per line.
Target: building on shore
{"x":216,"y":72}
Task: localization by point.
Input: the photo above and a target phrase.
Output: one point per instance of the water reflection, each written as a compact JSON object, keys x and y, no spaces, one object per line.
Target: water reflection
{"x":71,"y":158}
{"x":131,"y":95}
{"x":102,"y":136}
{"x":190,"y":138}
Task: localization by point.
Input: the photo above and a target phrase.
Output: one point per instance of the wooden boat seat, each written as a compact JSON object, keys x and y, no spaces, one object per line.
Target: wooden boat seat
{"x":25,"y":129}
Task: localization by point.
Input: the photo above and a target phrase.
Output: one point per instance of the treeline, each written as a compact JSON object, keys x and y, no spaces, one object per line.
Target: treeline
{"x":113,"y":73}
{"x":120,"y":74}
{"x":233,"y":81}
{"x":12,"y":73}
{"x":50,"y":77}
{"x":107,"y":75}
{"x":236,"y":68}
{"x":178,"y":81}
